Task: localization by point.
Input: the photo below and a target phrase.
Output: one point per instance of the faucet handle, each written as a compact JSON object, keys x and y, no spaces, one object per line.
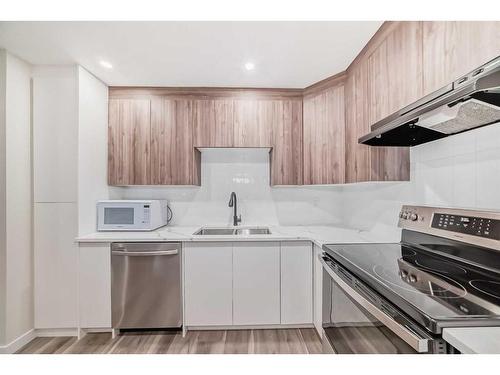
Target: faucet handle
{"x":238,"y":219}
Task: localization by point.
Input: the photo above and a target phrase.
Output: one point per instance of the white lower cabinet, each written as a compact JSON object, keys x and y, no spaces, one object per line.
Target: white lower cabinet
{"x":248,"y":283}
{"x":296,"y":282}
{"x":55,"y":266}
{"x":208,"y":279}
{"x":318,"y":290}
{"x":256,"y":283}
{"x":94,"y":281}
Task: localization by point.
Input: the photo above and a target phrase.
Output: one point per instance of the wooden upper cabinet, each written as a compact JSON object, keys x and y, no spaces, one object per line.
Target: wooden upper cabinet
{"x":253,"y":119}
{"x":129,"y":142}
{"x":454,"y":48}
{"x":395,"y":71}
{"x":324,"y":138}
{"x":214,"y":125}
{"x":357,"y":162}
{"x":174,"y":160}
{"x":286,"y":154}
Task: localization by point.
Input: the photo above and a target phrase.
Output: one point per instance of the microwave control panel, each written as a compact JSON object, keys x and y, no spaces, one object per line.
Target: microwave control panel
{"x":146,"y":214}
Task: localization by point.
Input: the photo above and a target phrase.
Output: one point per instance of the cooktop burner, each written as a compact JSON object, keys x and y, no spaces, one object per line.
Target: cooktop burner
{"x":439,"y":266}
{"x":491,"y":288}
{"x":448,"y":288}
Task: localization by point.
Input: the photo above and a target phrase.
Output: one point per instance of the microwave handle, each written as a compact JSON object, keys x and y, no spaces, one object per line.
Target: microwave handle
{"x":420,"y":344}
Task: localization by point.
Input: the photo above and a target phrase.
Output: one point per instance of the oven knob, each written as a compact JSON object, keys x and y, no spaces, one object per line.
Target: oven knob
{"x":413,"y":217}
{"x":413,"y":279}
{"x":404,"y":274}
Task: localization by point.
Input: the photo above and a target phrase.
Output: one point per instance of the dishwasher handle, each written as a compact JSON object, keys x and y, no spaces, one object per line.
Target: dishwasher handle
{"x":145,"y":253}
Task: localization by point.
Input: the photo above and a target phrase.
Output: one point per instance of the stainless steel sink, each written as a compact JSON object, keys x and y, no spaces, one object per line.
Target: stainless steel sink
{"x":231,"y":231}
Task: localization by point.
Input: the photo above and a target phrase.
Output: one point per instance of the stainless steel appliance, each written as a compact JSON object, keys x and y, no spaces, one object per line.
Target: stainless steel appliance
{"x":398,"y":297}
{"x":132,"y":215}
{"x":469,"y":102}
{"x":146,"y":285}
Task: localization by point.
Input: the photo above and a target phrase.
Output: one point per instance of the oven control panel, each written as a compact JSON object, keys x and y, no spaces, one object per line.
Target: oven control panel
{"x":474,"y":226}
{"x":481,"y":228}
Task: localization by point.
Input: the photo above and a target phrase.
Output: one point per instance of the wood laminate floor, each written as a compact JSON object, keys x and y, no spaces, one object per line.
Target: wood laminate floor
{"x":265,"y":341}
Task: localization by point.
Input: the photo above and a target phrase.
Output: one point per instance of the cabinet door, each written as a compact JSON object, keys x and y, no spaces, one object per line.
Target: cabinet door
{"x":454,"y":48}
{"x":286,"y":154}
{"x":94,"y":280}
{"x":55,"y":265}
{"x":173,"y":157}
{"x":214,"y":123}
{"x":253,"y":121}
{"x":357,"y":161}
{"x":394,"y":81}
{"x":318,"y":290}
{"x":256,"y":283}
{"x":296,"y":283}
{"x":324,"y":137}
{"x":129,"y":142}
{"x":208,"y":279}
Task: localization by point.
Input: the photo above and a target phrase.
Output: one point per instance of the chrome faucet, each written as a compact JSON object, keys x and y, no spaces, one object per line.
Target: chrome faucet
{"x":232,"y":203}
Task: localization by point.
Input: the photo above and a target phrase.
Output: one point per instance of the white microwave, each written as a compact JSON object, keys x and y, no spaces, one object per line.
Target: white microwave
{"x":132,"y":215}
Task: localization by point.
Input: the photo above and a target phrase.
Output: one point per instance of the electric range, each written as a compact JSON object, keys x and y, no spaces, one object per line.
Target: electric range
{"x":398,"y":297}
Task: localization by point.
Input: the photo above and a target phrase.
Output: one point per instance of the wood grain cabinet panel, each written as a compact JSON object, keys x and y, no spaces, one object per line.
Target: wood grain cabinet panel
{"x":394,"y":81}
{"x":253,"y":119}
{"x":324,"y":137}
{"x":129,"y":142}
{"x":286,"y":154}
{"x":214,"y":123}
{"x":454,"y":48}
{"x":357,"y":163}
{"x":173,"y":158}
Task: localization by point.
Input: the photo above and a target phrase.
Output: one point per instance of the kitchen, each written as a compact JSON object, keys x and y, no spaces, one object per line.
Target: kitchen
{"x":191,"y":204}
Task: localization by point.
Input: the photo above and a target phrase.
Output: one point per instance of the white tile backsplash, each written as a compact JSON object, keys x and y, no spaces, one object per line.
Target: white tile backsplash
{"x":462,"y":170}
{"x":246,"y":172}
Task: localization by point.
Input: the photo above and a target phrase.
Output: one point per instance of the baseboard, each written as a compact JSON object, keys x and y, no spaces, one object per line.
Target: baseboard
{"x":18,"y":343}
{"x":262,"y":326}
{"x":56,"y":332}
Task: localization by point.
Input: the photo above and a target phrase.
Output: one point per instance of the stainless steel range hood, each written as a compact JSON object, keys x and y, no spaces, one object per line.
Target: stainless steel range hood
{"x":469,"y":102}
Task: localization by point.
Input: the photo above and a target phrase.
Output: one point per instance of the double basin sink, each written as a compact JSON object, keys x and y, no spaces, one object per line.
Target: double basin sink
{"x":231,"y":231}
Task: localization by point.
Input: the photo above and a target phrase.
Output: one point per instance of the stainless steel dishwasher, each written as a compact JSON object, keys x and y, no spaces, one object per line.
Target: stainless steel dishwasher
{"x":146,"y":285}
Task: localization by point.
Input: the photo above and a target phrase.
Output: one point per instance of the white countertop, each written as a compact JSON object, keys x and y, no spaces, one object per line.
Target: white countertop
{"x":318,"y":234}
{"x":482,"y":340}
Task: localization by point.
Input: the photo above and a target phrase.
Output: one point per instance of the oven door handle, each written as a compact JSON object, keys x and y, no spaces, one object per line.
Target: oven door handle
{"x":420,"y":344}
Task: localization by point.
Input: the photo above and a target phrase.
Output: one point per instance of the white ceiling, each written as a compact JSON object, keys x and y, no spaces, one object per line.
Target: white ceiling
{"x":285,"y":54}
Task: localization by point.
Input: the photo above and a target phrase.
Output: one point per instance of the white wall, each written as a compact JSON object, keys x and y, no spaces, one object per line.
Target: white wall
{"x":246,"y":172}
{"x":3,"y":252}
{"x":461,"y":171}
{"x":17,"y":242}
{"x":92,"y":148}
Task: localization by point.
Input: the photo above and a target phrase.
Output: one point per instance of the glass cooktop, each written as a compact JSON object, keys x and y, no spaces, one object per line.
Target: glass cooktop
{"x":423,"y":284}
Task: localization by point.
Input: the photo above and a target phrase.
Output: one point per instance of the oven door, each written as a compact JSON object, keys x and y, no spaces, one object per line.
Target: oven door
{"x":357,"y":320}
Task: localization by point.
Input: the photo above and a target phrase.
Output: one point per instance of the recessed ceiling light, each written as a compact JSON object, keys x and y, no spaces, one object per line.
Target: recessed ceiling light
{"x":106,"y":64}
{"x":249,"y":66}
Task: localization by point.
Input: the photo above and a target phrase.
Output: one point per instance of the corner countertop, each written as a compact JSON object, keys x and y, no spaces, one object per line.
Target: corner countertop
{"x":475,"y":340}
{"x":316,"y":233}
